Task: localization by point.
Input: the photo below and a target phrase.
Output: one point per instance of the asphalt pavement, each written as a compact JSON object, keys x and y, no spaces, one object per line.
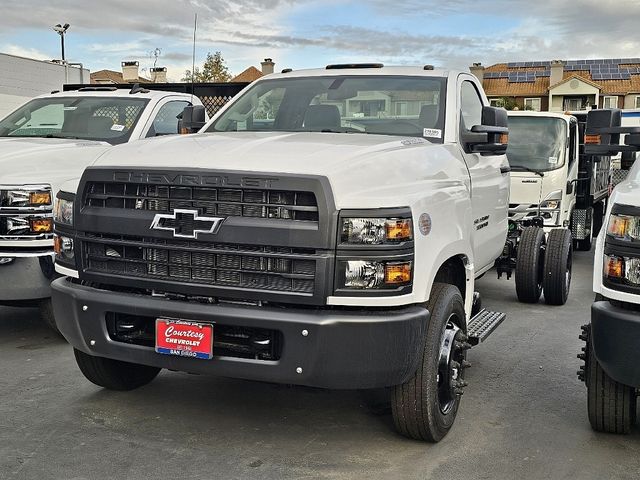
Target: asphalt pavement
{"x":523,"y":414}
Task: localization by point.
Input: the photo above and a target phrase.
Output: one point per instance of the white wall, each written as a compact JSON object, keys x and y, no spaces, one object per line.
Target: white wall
{"x":24,"y":78}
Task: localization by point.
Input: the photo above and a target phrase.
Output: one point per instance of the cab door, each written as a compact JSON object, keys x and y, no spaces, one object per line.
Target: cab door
{"x":489,"y":177}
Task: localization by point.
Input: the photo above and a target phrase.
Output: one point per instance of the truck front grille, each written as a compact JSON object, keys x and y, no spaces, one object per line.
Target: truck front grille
{"x":225,"y":202}
{"x":280,"y":269}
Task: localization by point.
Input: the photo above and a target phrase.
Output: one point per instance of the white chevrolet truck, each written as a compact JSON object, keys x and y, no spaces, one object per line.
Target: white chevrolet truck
{"x":324,"y":229}
{"x":611,"y":369}
{"x":48,"y":141}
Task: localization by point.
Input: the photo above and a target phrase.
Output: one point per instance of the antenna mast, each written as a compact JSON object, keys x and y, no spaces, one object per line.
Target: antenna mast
{"x":193,"y":58}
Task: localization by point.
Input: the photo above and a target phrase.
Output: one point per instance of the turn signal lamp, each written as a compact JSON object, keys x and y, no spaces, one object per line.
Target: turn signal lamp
{"x":398,"y":230}
{"x":624,"y":227}
{"x":397,"y":273}
{"x":40,"y":198}
{"x":592,"y":139}
{"x":41,"y":225}
{"x":613,"y":266}
{"x":504,"y":138}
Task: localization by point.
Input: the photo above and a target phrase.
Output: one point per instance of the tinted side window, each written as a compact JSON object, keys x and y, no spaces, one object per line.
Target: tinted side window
{"x":166,"y":121}
{"x":470,"y":105}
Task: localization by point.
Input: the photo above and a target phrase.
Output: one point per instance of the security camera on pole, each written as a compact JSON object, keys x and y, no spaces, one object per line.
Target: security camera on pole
{"x":61,"y":30}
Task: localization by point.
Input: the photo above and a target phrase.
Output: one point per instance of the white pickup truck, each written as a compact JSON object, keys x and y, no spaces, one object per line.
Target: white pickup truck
{"x":611,"y":356}
{"x":52,"y":139}
{"x":326,"y":230}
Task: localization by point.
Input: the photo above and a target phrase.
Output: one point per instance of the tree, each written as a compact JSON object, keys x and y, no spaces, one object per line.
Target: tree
{"x":508,"y":103}
{"x":214,"y":69}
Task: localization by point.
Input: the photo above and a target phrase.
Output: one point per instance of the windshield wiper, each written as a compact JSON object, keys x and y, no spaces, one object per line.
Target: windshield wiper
{"x":526,"y":169}
{"x":53,"y":135}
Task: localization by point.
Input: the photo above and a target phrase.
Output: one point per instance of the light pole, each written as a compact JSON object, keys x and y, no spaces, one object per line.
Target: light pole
{"x":61,"y":30}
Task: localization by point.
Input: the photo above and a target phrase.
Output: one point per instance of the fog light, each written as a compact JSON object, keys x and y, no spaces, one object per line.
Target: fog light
{"x":41,"y":225}
{"x":63,"y":246}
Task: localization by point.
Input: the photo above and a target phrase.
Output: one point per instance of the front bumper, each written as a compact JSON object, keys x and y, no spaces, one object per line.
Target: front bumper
{"x":344,"y":349}
{"x":25,"y":278}
{"x":616,"y":341}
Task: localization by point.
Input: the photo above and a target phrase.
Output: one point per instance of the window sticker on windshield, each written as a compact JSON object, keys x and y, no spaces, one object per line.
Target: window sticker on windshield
{"x":553,"y":160}
{"x":117,"y":128}
{"x":432,"y":133}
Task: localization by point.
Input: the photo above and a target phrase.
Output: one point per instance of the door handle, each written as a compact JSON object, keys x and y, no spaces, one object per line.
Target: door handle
{"x":504,"y":170}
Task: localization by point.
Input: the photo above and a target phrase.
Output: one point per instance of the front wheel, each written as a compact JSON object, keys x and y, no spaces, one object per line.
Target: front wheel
{"x":46,"y":314}
{"x":425,"y":406}
{"x":114,"y":374}
{"x":611,"y":405}
{"x":557,"y":267}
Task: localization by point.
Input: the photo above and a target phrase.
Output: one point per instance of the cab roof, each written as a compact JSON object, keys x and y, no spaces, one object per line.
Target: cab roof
{"x":118,"y":92}
{"x":531,"y":113}
{"x":362,"y":70}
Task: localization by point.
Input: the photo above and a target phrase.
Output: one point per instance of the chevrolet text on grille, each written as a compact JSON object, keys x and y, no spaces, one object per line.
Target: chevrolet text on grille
{"x":180,"y":179}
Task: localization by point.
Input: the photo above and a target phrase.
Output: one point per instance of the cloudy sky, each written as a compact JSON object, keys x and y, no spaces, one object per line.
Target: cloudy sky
{"x":310,"y":33}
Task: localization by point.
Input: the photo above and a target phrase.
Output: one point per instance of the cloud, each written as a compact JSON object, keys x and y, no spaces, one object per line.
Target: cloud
{"x":24,"y":52}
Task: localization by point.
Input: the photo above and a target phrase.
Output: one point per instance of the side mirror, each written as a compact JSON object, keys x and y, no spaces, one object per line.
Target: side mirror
{"x":569,"y":188}
{"x":193,"y":119}
{"x":491,"y":137}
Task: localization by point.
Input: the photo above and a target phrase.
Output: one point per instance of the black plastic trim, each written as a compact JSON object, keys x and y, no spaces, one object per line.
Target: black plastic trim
{"x":615,"y":334}
{"x":346,"y":349}
{"x":622,"y":209}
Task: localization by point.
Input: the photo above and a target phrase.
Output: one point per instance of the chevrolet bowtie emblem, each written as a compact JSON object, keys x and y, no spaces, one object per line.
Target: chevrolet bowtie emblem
{"x":186,"y":223}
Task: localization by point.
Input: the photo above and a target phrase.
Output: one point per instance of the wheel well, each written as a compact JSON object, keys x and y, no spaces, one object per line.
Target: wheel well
{"x":453,"y":272}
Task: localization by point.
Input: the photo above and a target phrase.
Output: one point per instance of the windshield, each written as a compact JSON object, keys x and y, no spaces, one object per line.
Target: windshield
{"x":383,"y":105}
{"x":536,"y":143}
{"x":89,"y":118}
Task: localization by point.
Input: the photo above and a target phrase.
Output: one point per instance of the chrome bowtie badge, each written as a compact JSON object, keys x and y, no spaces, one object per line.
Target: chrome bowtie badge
{"x":186,"y":223}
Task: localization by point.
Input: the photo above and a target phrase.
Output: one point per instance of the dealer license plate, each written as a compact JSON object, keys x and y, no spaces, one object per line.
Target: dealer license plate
{"x":184,"y":339}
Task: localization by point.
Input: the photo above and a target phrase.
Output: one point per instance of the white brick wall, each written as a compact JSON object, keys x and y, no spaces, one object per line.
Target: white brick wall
{"x":24,"y":78}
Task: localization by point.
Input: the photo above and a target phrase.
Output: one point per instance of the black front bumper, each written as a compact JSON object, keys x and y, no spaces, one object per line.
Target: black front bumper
{"x":343,"y":349}
{"x":616,"y":341}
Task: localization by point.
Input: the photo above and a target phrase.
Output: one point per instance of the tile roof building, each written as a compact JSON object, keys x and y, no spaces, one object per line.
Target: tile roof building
{"x":563,"y":85}
{"x":252,"y":73}
{"x":129,"y":74}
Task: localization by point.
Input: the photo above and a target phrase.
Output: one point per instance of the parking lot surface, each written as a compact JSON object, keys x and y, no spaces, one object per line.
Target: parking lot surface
{"x":523,"y":414}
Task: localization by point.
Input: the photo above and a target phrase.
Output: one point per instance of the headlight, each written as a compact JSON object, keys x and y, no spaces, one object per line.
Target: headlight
{"x":622,"y":269}
{"x":553,"y":200}
{"x":375,"y":231}
{"x":624,"y":227}
{"x":63,"y":211}
{"x":366,"y":274}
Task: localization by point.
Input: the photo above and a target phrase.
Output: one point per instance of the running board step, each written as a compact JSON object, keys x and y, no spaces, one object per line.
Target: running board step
{"x":483,"y":324}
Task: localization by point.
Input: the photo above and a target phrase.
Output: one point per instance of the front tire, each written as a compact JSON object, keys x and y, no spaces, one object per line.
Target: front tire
{"x":529,"y":264}
{"x":611,"y":405}
{"x":114,"y":374}
{"x":557,"y":267}
{"x":46,"y":314}
{"x":425,"y":406}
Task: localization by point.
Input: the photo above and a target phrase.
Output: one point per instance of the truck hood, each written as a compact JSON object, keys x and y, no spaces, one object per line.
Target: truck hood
{"x":357,"y":165}
{"x":46,"y":160}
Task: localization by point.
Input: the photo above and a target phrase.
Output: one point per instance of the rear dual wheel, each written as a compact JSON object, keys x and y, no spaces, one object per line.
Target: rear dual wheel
{"x":544,"y":264}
